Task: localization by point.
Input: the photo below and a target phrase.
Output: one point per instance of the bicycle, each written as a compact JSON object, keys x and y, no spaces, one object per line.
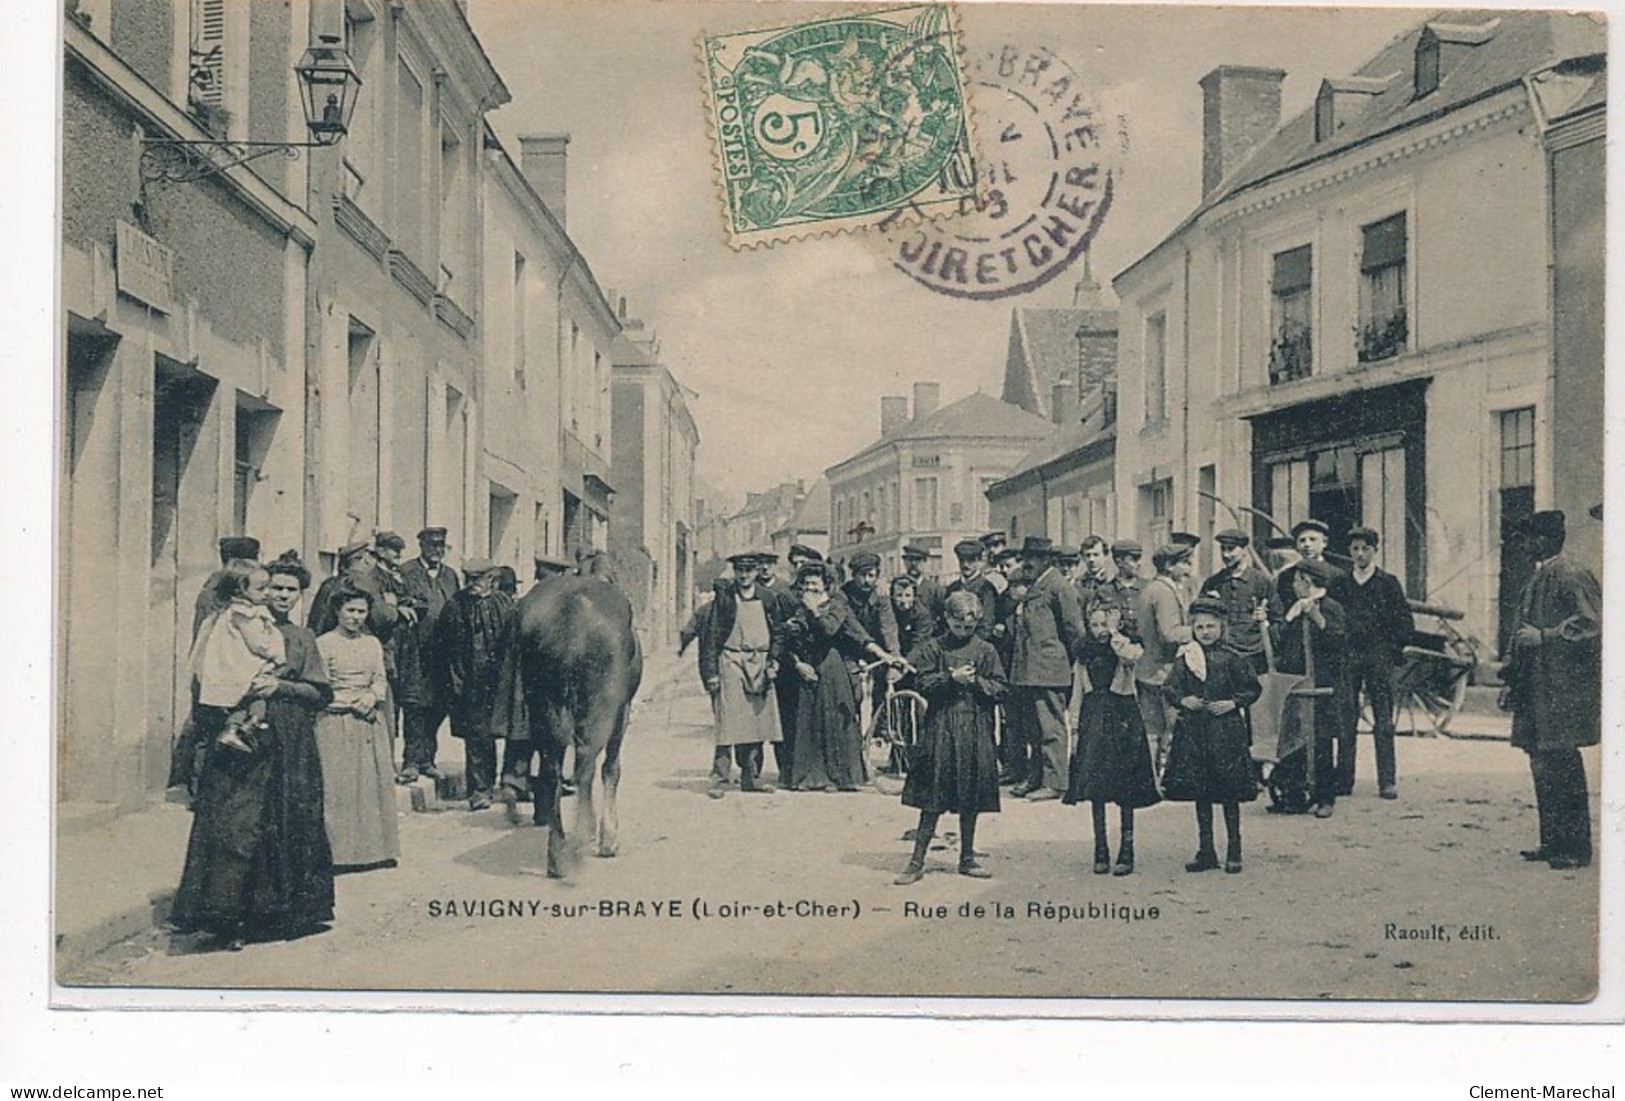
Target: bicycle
{"x":892,"y":731}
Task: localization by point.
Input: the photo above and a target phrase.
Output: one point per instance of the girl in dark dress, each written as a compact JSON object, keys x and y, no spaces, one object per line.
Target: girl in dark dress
{"x":1209,"y":760}
{"x":955,"y":768}
{"x":1112,"y":763}
{"x":258,"y":864}
{"x":823,"y":636}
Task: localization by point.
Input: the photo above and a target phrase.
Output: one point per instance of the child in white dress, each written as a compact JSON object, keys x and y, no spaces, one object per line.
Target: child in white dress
{"x":240,"y":643}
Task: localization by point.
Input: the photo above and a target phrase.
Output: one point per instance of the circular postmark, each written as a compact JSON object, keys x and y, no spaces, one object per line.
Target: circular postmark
{"x":1045,"y":183}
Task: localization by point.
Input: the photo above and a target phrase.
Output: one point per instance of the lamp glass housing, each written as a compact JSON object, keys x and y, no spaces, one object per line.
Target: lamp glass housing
{"x":328,"y":86}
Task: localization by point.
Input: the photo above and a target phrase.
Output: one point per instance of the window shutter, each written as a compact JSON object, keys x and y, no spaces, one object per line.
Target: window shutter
{"x":1384,"y":244}
{"x":208,"y":61}
{"x":1293,"y":270}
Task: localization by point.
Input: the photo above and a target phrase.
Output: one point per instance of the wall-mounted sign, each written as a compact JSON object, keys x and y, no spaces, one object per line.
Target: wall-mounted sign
{"x":146,"y":269}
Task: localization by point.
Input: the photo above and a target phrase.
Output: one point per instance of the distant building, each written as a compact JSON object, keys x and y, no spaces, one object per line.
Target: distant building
{"x":809,"y":526}
{"x":652,"y":527}
{"x":1065,"y":487}
{"x":749,"y":528}
{"x":1356,"y":322}
{"x":925,"y":480}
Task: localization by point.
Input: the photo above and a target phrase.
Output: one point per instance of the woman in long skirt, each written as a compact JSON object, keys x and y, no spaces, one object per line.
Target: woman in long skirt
{"x":354,"y":743}
{"x":1112,"y":762}
{"x":258,"y":866}
{"x":955,"y":769}
{"x":823,"y":636}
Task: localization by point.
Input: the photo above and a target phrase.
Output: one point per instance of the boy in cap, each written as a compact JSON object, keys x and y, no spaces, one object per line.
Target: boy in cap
{"x":430,"y":585}
{"x":1160,"y":617}
{"x":872,"y":608}
{"x":1126,"y":583}
{"x":1049,"y":630}
{"x":1380,"y":625}
{"x":1554,"y":690}
{"x":1248,"y":595}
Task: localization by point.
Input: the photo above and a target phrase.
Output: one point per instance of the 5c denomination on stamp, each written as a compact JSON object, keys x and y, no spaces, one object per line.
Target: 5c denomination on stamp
{"x":838,"y":123}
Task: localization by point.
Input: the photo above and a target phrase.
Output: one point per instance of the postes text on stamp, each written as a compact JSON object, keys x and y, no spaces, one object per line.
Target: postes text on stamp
{"x":838,"y":123}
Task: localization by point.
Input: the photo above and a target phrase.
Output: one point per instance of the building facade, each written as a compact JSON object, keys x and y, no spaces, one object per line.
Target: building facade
{"x":809,"y":526}
{"x":386,"y":333}
{"x":652,"y":528}
{"x":925,"y":480}
{"x":1355,"y":324}
{"x":183,"y":380}
{"x":547,"y":330}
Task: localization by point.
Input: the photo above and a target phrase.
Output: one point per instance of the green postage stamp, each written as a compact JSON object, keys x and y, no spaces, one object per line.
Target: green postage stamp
{"x":837,"y":123}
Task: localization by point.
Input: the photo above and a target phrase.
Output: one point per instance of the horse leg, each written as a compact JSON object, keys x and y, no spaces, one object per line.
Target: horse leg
{"x":586,"y":818}
{"x":609,"y":838}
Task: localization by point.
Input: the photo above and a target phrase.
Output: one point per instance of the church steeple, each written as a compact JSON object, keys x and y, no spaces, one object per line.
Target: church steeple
{"x":1087,"y":295}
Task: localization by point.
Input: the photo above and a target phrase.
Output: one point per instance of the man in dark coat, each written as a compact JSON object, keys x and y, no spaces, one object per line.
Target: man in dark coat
{"x":357,"y":571}
{"x":928,"y":591}
{"x":466,"y":655}
{"x":1554,"y":689}
{"x":1126,"y":583}
{"x":1049,"y":630}
{"x":1096,"y":571}
{"x":871,"y":605}
{"x":972,"y":579}
{"x":430,"y":585}
{"x":1380,"y":626}
{"x":1312,"y":640}
{"x":1244,"y":590}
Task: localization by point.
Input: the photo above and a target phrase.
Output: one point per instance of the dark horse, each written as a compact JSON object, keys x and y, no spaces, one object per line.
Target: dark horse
{"x":573,"y":666}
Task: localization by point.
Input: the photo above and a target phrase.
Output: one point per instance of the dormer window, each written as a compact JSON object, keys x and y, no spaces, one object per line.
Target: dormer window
{"x":1341,"y":102}
{"x":1427,"y":64}
{"x":1442,"y":45}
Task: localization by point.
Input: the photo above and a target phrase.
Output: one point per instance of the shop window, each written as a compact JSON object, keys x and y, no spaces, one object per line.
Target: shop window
{"x":1384,"y":325}
{"x":1291,"y":332}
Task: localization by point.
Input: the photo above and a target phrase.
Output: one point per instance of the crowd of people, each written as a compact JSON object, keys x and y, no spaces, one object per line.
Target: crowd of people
{"x":1056,"y":675}
{"x":287,"y":757}
{"x":1078,"y":677}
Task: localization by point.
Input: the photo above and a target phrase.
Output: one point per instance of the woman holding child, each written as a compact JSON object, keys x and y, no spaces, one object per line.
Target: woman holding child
{"x":258,"y":864}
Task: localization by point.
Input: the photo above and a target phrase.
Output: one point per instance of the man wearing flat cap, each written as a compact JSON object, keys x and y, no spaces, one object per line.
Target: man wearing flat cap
{"x":928,"y":591}
{"x":1049,"y":630}
{"x":972,"y":579}
{"x":1311,"y":640}
{"x":1380,"y":626}
{"x":741,"y":644}
{"x":1249,"y":597}
{"x":1554,"y":689}
{"x":430,"y":585}
{"x":466,"y":654}
{"x":1160,"y":618}
{"x":357,"y":572}
{"x":1312,"y":537}
{"x":871,"y":605}
{"x":1126,"y":584}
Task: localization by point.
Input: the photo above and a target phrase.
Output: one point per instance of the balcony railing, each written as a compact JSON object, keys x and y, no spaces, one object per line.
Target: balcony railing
{"x":1291,"y":353}
{"x":1383,"y":338}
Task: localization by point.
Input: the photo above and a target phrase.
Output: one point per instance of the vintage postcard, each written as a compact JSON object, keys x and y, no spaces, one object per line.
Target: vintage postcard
{"x":1029,"y":509}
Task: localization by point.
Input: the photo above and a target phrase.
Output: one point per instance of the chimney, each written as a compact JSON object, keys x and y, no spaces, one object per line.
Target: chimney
{"x":544,"y":159}
{"x":893,"y":414}
{"x":1241,"y":106}
{"x":927,"y":396}
{"x":1063,"y":402}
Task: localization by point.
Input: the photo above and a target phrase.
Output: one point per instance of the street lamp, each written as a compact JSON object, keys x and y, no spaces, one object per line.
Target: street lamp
{"x":328,"y":84}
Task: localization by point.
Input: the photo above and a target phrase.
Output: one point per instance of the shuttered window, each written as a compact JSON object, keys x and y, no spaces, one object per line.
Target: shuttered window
{"x":207,"y":79}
